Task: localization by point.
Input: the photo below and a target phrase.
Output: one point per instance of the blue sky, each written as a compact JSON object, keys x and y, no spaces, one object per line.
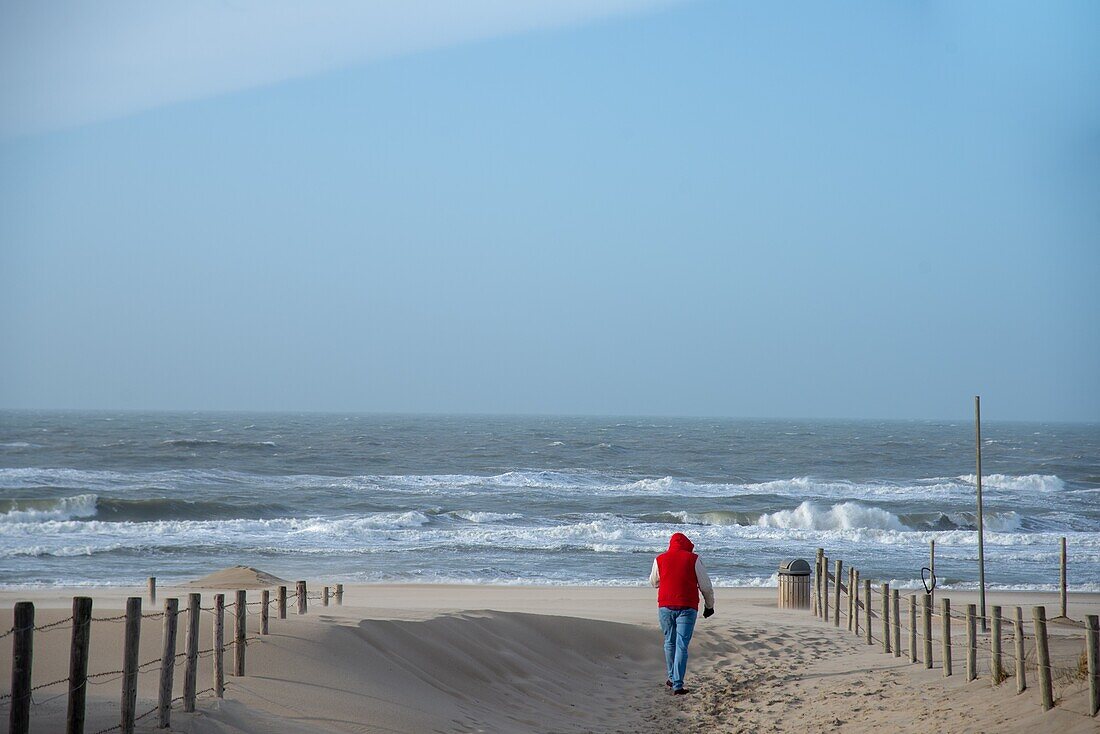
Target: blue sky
{"x":693,"y":208}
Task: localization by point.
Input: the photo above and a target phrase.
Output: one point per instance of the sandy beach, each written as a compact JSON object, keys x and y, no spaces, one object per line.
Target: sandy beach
{"x":465,"y":658}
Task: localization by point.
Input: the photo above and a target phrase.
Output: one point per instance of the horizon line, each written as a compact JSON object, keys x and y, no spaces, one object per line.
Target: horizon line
{"x":506,"y":414}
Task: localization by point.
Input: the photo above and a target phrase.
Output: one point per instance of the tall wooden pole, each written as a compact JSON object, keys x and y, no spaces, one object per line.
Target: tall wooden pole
{"x":981,"y":515}
{"x":932,"y":568}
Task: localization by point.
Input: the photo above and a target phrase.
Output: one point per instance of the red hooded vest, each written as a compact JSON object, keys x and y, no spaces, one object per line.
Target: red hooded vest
{"x":679,"y":586}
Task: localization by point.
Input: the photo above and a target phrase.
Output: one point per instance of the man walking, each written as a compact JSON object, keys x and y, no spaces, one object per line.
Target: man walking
{"x":678,"y":575}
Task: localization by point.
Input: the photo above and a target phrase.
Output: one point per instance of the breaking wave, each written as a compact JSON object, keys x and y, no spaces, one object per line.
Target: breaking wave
{"x":844,"y":516}
{"x":42,"y":510}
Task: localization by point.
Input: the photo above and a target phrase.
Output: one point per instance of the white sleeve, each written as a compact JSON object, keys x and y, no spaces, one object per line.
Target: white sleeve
{"x":655,"y":575}
{"x":704,"y":583}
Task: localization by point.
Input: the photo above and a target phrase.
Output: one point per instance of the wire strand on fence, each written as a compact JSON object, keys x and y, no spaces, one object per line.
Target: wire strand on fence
{"x":119,"y":618}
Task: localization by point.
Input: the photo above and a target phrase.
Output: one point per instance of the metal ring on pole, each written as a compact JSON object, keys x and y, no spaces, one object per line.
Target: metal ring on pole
{"x":928,"y":578}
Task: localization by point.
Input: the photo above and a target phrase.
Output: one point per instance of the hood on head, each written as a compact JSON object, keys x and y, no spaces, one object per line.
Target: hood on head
{"x":679,"y":541}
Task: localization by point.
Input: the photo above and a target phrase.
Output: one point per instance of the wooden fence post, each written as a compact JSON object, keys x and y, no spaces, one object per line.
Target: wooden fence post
{"x":22,"y":658}
{"x":130,"y":665}
{"x":191,"y":651}
{"x":825,"y":588}
{"x":219,"y":645}
{"x":78,"y":664}
{"x":265,"y":602}
{"x":817,"y":581}
{"x":855,"y":604}
{"x":301,"y":591}
{"x":971,"y":642}
{"x":926,"y":611}
{"x":152,"y":589}
{"x":851,"y":595}
{"x":1063,"y":584}
{"x":896,"y":609}
{"x":836,"y":603}
{"x":886,"y":618}
{"x":282,"y":602}
{"x":167,"y":663}
{"x":239,"y":637}
{"x":1018,"y":633}
{"x":1092,"y":653}
{"x":867,"y":609}
{"x":339,"y":595}
{"x":1046,"y":690}
{"x":996,"y":658}
{"x":945,"y":618}
{"x":912,"y":628}
{"x":324,"y":596}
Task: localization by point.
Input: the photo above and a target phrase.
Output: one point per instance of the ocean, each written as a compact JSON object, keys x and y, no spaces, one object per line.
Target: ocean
{"x":94,"y":498}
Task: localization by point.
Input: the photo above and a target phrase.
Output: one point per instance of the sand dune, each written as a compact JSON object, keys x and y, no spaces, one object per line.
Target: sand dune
{"x":526,"y":659}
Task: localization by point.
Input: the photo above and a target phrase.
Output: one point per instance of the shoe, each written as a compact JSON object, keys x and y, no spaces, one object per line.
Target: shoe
{"x":681,"y":692}
{"x":668,"y":683}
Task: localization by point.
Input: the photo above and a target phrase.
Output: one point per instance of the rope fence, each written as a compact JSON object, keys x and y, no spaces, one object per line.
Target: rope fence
{"x":1067,"y":670}
{"x":21,"y":701}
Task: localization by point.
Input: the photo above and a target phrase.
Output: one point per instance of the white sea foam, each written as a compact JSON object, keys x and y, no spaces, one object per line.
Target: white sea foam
{"x":564,"y":482}
{"x":385,"y":531}
{"x":1025,"y":483}
{"x":358,"y":524}
{"x":486,"y":517}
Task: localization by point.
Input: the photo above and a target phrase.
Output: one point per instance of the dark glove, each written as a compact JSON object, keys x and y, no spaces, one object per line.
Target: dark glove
{"x":708,"y":611}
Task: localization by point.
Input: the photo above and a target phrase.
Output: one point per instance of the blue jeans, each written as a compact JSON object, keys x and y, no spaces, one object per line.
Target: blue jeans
{"x":677,"y":624}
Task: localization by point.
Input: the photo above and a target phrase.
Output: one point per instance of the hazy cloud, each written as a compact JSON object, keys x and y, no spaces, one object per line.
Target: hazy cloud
{"x":68,"y":63}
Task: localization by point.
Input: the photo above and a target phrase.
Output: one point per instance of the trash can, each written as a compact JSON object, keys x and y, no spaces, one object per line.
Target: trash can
{"x":794,"y":584}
